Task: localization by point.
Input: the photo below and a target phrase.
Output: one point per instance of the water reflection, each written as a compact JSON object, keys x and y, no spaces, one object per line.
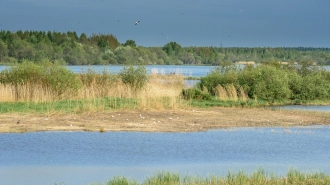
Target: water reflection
{"x":84,"y":157}
{"x":322,"y":108}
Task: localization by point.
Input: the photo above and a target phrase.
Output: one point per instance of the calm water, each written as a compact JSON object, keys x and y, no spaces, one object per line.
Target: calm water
{"x":85,"y":157}
{"x":320,"y":108}
{"x":196,"y":71}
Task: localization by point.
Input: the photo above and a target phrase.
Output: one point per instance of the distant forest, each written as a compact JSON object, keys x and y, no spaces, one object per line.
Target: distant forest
{"x":101,"y":49}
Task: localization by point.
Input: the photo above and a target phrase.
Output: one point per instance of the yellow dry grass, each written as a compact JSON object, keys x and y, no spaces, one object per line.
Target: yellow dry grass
{"x":229,"y":92}
{"x":26,"y":92}
{"x":160,"y":92}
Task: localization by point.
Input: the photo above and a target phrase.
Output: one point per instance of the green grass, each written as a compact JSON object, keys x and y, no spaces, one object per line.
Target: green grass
{"x":191,"y":78}
{"x":258,"y":177}
{"x":67,"y":106}
{"x":213,"y":103}
{"x":250,"y":103}
{"x":106,"y":103}
{"x":116,"y":103}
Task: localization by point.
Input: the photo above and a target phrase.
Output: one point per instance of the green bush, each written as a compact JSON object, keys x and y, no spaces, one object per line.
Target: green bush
{"x":273,"y":82}
{"x":219,"y":75}
{"x":135,"y":78}
{"x":195,"y":93}
{"x":47,"y":74}
{"x":315,"y":87}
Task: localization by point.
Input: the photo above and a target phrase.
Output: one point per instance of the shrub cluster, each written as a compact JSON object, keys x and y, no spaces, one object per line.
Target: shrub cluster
{"x":271,"y":81}
{"x":30,"y":80}
{"x":48,"y":75}
{"x":135,"y":78}
{"x":195,"y":94}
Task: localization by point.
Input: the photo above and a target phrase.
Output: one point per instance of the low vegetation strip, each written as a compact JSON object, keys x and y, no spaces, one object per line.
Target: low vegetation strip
{"x":258,"y":177}
{"x":270,"y":82}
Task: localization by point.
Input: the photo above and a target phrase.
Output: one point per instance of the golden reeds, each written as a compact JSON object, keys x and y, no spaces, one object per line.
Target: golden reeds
{"x":229,"y":92}
{"x":221,"y":92}
{"x":26,"y":92}
{"x":161,"y":92}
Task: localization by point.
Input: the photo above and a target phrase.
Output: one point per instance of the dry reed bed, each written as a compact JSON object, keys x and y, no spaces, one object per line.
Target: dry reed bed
{"x":158,"y":86}
{"x":179,"y":120}
{"x":161,"y":92}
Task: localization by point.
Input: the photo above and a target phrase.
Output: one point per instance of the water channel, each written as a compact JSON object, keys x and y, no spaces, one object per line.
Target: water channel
{"x":86,"y":157}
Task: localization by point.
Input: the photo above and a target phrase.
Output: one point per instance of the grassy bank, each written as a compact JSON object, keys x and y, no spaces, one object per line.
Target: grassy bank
{"x":48,"y":97}
{"x":50,"y":87}
{"x":258,"y":177}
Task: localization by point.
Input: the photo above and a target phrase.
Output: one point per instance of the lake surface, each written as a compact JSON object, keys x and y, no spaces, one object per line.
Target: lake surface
{"x":86,"y":157}
{"x":196,"y":71}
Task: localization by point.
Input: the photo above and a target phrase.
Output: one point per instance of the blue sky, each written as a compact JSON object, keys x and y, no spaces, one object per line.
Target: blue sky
{"x":230,"y":23}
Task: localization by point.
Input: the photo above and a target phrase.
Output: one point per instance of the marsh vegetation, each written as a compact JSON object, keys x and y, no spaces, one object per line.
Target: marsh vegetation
{"x":50,"y":87}
{"x":268,"y":83}
{"x":258,"y":177}
{"x":34,"y":93}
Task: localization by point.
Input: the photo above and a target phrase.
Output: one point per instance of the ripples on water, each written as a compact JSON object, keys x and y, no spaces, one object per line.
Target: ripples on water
{"x":49,"y":157}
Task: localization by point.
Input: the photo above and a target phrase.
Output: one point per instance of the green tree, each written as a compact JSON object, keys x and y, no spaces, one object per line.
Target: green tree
{"x":83,"y":38}
{"x":102,"y":43}
{"x":187,"y":58}
{"x":172,"y":48}
{"x":3,"y":50}
{"x":130,"y":43}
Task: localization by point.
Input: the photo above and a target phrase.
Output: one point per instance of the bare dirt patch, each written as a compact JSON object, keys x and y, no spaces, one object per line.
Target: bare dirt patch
{"x":187,"y":120}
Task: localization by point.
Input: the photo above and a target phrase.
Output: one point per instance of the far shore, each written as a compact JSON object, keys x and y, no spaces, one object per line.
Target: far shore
{"x":180,"y":120}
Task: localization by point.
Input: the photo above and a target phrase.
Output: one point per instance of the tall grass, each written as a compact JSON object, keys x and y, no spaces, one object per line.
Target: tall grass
{"x":258,"y":177}
{"x":162,"y":92}
{"x":119,"y":181}
{"x":92,"y":91}
{"x":228,"y":92}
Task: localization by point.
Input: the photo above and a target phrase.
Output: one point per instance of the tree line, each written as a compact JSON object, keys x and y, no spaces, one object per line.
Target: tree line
{"x":101,"y":49}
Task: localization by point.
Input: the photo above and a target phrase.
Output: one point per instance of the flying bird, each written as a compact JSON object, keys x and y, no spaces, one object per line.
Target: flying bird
{"x":137,"y":22}
{"x":164,"y":35}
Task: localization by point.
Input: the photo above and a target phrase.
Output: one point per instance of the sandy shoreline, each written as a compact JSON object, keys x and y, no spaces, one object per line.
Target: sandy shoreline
{"x":187,"y":120}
